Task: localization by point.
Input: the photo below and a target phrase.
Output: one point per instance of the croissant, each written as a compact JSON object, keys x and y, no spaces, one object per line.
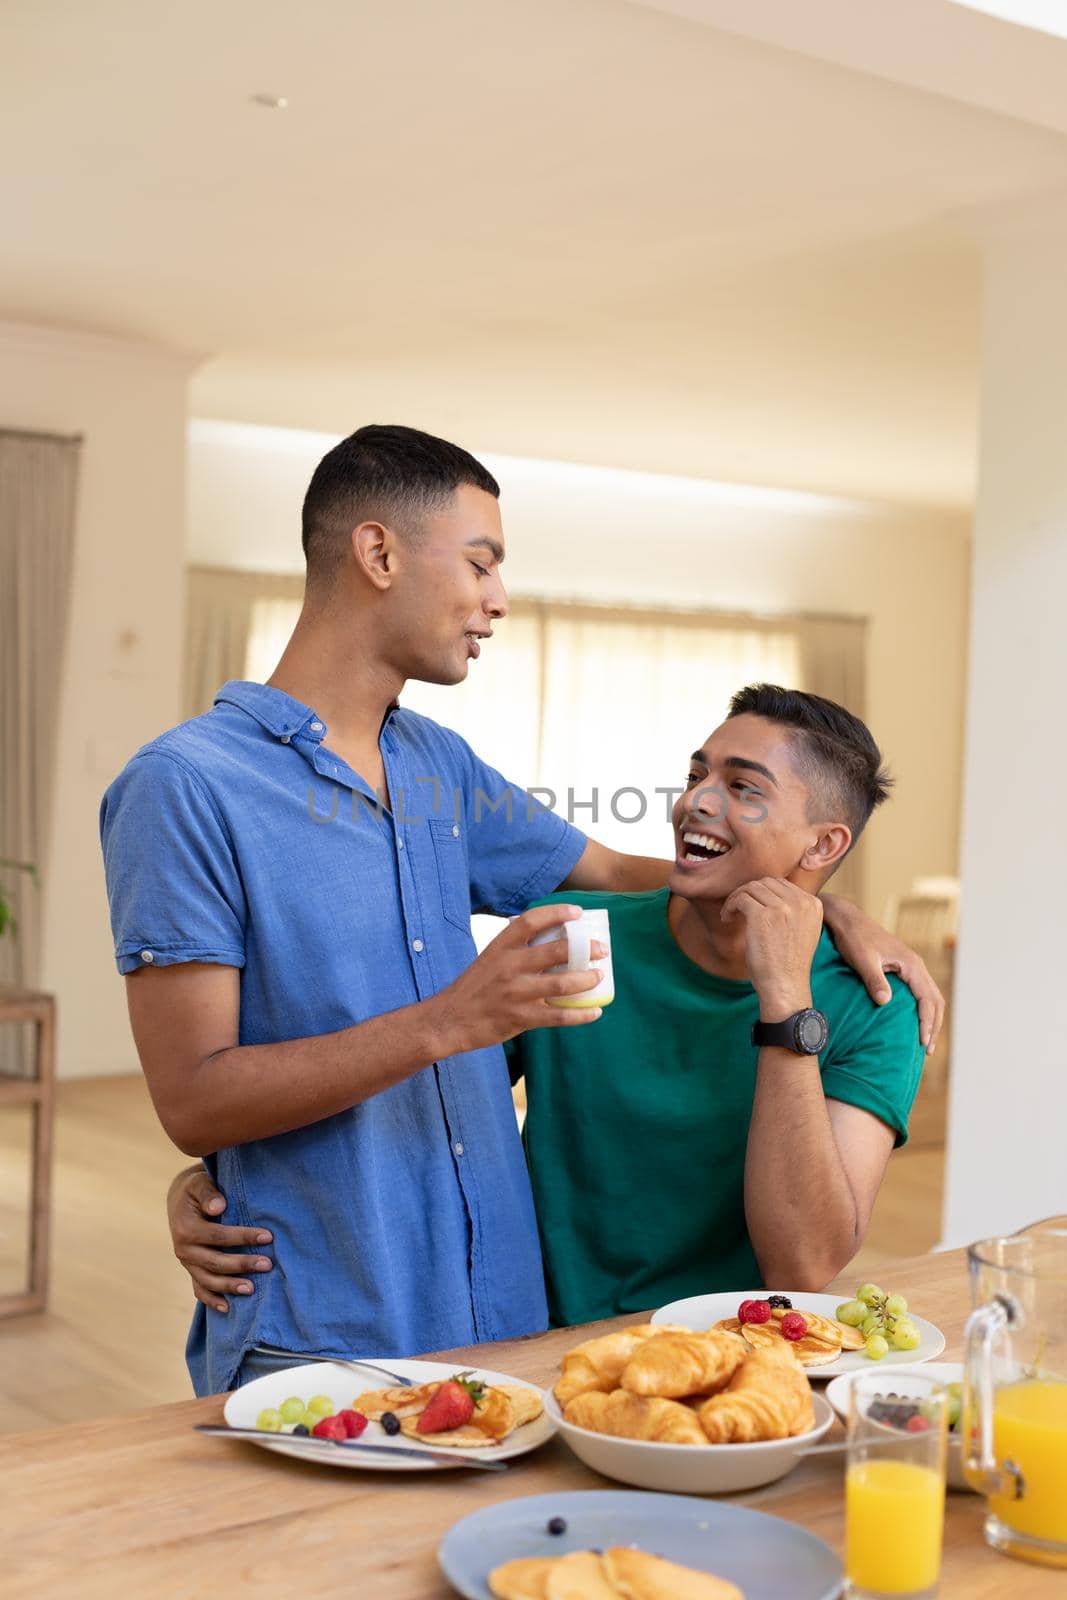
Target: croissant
{"x":768,"y":1397}
{"x":598,"y":1363}
{"x":684,"y":1363}
{"x":634,"y":1416}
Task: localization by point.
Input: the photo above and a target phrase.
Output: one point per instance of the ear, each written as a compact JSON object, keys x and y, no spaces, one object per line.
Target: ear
{"x":829,"y":847}
{"x":374,"y":549}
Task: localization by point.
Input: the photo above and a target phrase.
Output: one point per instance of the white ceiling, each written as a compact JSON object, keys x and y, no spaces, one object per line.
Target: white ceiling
{"x":575,"y":228}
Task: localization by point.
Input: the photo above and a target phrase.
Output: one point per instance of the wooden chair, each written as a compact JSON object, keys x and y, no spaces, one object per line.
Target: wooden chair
{"x":38,"y":1091}
{"x":927,"y":922}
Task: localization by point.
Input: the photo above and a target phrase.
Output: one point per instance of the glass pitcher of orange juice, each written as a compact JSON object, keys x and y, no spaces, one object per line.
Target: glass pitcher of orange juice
{"x":1015,"y":1390}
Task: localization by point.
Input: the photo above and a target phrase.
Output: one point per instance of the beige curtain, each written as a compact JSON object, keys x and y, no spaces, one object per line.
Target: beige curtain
{"x":38,"y":482}
{"x":220,"y":610}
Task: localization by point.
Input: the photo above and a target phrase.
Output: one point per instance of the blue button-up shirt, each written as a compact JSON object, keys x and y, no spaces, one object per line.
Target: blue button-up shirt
{"x":404,"y":1224}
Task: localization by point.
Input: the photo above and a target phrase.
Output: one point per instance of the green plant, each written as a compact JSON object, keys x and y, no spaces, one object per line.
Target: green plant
{"x":7,"y":921}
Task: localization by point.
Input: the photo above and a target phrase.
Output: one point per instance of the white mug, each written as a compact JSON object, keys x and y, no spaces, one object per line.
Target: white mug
{"x":588,"y":929}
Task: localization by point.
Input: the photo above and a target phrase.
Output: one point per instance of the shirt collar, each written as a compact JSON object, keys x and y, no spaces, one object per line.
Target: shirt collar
{"x":278,"y":712}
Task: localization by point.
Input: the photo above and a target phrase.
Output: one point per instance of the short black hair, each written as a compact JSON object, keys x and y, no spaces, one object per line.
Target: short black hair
{"x":836,"y":752}
{"x":382,"y":471}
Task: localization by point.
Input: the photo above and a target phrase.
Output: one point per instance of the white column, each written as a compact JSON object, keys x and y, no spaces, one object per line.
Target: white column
{"x":1007,"y":1152}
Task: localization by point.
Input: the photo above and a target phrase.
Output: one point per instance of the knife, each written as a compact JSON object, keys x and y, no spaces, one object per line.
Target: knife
{"x":327,"y":1446}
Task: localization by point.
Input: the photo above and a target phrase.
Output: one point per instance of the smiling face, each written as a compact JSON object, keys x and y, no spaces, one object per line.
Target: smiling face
{"x":446,"y":589}
{"x":745,"y":815}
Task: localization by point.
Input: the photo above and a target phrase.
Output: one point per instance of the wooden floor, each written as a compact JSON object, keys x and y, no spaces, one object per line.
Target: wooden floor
{"x":114,"y":1337}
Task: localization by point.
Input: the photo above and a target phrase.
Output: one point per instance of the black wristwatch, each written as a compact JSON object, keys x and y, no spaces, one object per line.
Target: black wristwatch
{"x":805,"y":1033}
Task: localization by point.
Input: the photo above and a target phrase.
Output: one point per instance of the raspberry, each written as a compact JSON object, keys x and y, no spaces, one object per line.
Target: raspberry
{"x":354,"y":1422}
{"x":743,"y":1310}
{"x":759,"y":1311}
{"x":793,"y":1326}
{"x":330,"y":1428}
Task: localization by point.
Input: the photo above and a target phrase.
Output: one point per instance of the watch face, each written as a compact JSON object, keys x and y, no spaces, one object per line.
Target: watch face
{"x":812,"y":1031}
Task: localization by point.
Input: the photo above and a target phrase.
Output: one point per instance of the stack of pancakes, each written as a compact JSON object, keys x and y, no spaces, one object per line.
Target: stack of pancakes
{"x":823,"y":1342}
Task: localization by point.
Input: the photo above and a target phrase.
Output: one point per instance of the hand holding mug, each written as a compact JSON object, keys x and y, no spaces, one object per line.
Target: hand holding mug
{"x":517,"y":984}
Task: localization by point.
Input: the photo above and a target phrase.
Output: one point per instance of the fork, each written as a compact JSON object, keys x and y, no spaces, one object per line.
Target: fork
{"x":395,"y":1378}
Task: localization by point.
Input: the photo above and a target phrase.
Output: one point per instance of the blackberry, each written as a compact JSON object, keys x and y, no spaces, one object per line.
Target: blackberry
{"x":780,"y":1302}
{"x":557,"y":1525}
{"x":390,"y":1422}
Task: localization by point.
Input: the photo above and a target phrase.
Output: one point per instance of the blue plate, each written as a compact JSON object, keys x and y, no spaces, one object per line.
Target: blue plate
{"x":765,"y":1556}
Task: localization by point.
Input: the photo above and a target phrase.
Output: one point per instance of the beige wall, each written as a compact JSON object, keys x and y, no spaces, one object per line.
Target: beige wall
{"x":121,"y":675}
{"x":590,"y":533}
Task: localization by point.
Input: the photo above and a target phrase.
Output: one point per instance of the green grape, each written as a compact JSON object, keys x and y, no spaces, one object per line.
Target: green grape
{"x":320,"y":1405}
{"x":876,"y":1347}
{"x":851,"y":1313}
{"x":872,"y":1323}
{"x":269,"y":1421}
{"x":293,"y":1409}
{"x":870,"y":1294}
{"x":896,"y":1305}
{"x":905,"y":1335}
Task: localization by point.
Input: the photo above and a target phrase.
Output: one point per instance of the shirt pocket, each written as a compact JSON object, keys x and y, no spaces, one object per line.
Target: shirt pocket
{"x":453,"y":871}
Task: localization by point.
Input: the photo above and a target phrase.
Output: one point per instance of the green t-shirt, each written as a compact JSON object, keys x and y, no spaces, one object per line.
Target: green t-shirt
{"x":636,"y":1125}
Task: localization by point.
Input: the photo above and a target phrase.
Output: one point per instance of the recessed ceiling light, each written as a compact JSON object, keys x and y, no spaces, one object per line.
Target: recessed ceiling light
{"x":273,"y":102}
{"x":1045,"y":16}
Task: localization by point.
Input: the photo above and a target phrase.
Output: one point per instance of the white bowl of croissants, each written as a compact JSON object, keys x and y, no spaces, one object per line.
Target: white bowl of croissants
{"x":692,"y":1413}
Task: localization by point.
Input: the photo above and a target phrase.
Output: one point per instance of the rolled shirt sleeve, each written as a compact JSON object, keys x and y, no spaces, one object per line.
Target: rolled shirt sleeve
{"x":878,"y":1064}
{"x":173,"y":883}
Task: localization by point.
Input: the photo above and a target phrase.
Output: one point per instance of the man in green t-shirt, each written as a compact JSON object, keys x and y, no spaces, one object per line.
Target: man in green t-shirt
{"x":669,"y":1154}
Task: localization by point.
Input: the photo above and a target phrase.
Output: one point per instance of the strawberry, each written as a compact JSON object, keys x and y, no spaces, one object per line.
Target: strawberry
{"x":450,"y":1405}
{"x":354,"y":1422}
{"x":330,"y":1428}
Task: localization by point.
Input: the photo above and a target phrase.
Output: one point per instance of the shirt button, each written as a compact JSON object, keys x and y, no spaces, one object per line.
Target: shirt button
{"x":146,"y":955}
{"x":316,"y":727}
{"x":455,"y":832}
{"x":285,"y":738}
{"x":400,"y":844}
{"x":416,"y":944}
{"x":458,"y":1148}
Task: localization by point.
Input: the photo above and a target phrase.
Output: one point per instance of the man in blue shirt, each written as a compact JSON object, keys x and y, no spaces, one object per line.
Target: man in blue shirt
{"x":291,"y":879}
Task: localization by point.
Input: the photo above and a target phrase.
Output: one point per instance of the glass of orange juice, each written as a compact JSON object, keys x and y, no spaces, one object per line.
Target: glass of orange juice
{"x":1014,"y":1423}
{"x":894,"y":1487}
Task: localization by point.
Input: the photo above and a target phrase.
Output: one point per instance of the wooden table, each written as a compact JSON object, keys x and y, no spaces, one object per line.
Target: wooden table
{"x":138,"y":1506}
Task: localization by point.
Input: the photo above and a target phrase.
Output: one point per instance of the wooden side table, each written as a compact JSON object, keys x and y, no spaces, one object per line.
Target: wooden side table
{"x":38,"y":1091}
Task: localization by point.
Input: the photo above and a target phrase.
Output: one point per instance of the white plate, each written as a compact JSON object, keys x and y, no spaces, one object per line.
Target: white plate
{"x":942,"y":1372}
{"x":690,"y":1468}
{"x":342,"y":1385}
{"x":703,"y":1310}
{"x":767,"y":1557}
